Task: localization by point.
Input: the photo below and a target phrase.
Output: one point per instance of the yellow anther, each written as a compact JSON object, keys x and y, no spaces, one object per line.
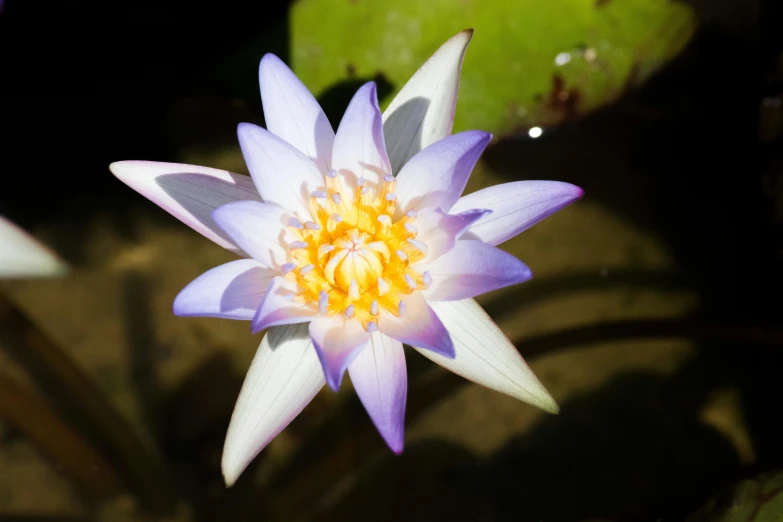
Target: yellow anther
{"x":352,"y":258}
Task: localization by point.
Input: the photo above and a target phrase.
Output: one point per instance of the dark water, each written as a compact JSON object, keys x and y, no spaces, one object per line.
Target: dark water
{"x":679,"y":158}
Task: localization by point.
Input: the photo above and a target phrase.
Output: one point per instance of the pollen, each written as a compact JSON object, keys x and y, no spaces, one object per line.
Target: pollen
{"x":352,"y":257}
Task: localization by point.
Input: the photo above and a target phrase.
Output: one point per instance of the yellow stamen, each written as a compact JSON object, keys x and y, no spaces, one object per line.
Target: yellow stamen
{"x":353,"y":258}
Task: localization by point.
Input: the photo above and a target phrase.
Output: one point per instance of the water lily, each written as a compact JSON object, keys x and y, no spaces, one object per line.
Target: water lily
{"x":354,"y":243}
{"x":22,"y":256}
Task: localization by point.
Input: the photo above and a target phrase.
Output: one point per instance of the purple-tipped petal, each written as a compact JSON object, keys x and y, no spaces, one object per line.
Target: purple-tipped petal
{"x":359,"y":149}
{"x":472,"y":268}
{"x":436,"y":176}
{"x":420,"y":326}
{"x":440,"y":231}
{"x":257,"y":228}
{"x":283,"y":378}
{"x":21,"y":255}
{"x":188,"y":192}
{"x":292,"y":113}
{"x":380,"y":379}
{"x":515,"y":207}
{"x":231,"y":291}
{"x":283,"y":175}
{"x":485,"y":356}
{"x":278,"y":307}
{"x":338,"y":341}
{"x":423,"y":111}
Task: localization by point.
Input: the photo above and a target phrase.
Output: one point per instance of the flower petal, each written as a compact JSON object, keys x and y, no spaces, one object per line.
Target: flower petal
{"x":420,"y":326}
{"x":485,"y":356}
{"x":423,"y":111}
{"x":472,"y":268}
{"x":436,"y":176}
{"x":359,"y":149}
{"x":338,"y":340}
{"x":278,"y":308}
{"x":188,"y":192}
{"x":380,"y":379}
{"x":515,"y":207}
{"x":257,"y":228}
{"x":231,"y":291}
{"x":21,"y":255}
{"x":283,"y":378}
{"x":283,"y":175}
{"x":439,"y":231}
{"x":292,"y":113}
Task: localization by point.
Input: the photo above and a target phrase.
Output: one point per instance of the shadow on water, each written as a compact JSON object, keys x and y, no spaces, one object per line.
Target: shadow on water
{"x":631,"y":450}
{"x":680,"y":159}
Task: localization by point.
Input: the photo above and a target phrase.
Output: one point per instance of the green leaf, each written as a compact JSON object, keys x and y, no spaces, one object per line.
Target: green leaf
{"x":757,"y":500}
{"x":510,"y":77}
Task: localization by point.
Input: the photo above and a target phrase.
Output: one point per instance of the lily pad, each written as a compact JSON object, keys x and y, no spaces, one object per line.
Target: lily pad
{"x":530,"y":62}
{"x":757,"y":500}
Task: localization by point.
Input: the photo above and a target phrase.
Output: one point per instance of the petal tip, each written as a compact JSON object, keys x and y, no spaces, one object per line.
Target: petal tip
{"x":269,"y":60}
{"x":115,"y":167}
{"x":334,"y":381}
{"x":258,"y":324}
{"x":121,"y":169}
{"x":549,"y":405}
{"x":230,"y":472}
{"x":244,"y":128}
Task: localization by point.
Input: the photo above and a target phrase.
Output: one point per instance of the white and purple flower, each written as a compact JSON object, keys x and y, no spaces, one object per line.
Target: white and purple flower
{"x":354,"y":243}
{"x":22,"y":256}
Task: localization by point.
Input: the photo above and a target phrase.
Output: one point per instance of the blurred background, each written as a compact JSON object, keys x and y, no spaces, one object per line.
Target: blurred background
{"x":653,"y":317}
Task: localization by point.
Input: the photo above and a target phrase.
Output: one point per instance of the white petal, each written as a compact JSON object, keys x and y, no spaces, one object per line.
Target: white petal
{"x":234,"y":290}
{"x":188,"y":192}
{"x":259,"y":229}
{"x":21,"y":255}
{"x":292,"y":113}
{"x":436,"y":176}
{"x":380,"y":379}
{"x":278,"y":308}
{"x":420,"y":326}
{"x":515,"y":207}
{"x":283,"y":175}
{"x":423,"y":111}
{"x":337,"y":340}
{"x":439,"y":231}
{"x":359,"y":151}
{"x":485,"y":356}
{"x":472,"y":268}
{"x":283,"y":378}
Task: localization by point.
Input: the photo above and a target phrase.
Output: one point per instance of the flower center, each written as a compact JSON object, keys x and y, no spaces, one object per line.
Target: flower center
{"x":353,"y":258}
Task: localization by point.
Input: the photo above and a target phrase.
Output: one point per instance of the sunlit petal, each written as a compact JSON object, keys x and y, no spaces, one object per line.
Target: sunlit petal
{"x":380,"y":379}
{"x":188,"y":192}
{"x":423,"y":111}
{"x":485,"y":356}
{"x":436,"y":176}
{"x":283,"y":175}
{"x":283,"y":378}
{"x":21,"y":255}
{"x":292,"y":113}
{"x":231,"y":291}
{"x":257,"y":228}
{"x":337,"y":341}
{"x":359,"y":150}
{"x":515,"y":207}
